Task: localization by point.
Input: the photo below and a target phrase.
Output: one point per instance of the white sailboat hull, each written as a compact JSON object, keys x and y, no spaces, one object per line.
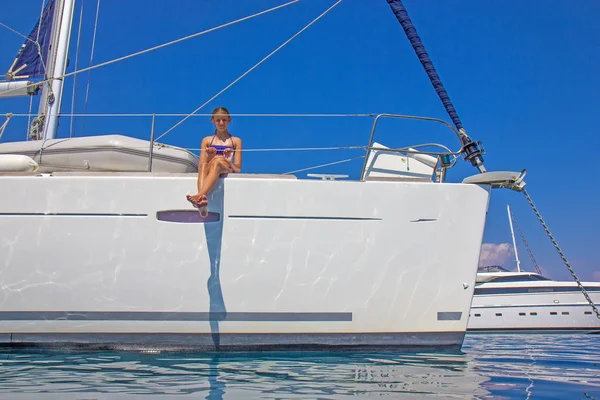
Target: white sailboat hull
{"x":544,"y":306}
{"x":122,"y":260}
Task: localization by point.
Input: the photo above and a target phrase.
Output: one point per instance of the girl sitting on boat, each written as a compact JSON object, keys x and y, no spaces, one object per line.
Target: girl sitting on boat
{"x":220,"y":154}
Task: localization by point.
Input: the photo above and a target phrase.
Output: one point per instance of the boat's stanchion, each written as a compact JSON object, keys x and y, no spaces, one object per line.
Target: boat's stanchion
{"x":151,"y":144}
{"x":444,"y":162}
{"x":562,"y":255}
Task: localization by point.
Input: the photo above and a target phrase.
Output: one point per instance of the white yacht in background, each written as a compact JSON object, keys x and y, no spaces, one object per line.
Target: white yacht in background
{"x":99,"y":246}
{"x":518,"y":301}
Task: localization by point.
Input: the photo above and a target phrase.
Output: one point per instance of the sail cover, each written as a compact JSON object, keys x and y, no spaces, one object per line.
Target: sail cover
{"x":31,"y":59}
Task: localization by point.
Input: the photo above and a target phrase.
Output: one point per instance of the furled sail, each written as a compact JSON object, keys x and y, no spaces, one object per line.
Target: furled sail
{"x":31,"y":58}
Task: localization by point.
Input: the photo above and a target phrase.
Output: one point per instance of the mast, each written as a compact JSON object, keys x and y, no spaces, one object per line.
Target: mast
{"x":512,"y":233}
{"x":57,"y":64}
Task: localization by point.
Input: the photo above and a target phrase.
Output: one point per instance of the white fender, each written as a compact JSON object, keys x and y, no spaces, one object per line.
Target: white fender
{"x":17,"y":163}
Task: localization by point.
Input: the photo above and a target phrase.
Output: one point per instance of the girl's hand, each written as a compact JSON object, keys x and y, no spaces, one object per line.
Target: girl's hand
{"x":231,"y":166}
{"x":227,"y":153}
{"x":210,"y":153}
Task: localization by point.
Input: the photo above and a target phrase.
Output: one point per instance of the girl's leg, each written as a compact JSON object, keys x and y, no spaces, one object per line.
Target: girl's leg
{"x":202,"y":172}
{"x":216,"y":168}
{"x":207,"y":178}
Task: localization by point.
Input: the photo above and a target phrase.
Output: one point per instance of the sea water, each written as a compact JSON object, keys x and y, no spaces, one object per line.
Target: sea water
{"x":487,"y":366}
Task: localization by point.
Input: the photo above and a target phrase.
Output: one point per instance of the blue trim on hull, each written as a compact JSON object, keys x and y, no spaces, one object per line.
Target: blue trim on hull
{"x":300,"y":217}
{"x":173,"y":316}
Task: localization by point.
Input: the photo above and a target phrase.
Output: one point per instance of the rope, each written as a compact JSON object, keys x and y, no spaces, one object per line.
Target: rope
{"x":76,"y":66}
{"x":29,"y":118}
{"x":178,"y":40}
{"x":17,"y":32}
{"x":87,"y":86}
{"x":308,"y":148}
{"x":37,"y":37}
{"x":562,"y":255}
{"x":251,"y":69}
{"x":290,"y":149}
{"x":37,"y":40}
{"x":103,"y":169}
{"x":412,"y":35}
{"x":50,"y":94}
{"x":251,"y":150}
{"x":205,"y":115}
{"x":32,"y":41}
{"x":167,"y":44}
{"x":3,"y":127}
{"x":324,"y":165}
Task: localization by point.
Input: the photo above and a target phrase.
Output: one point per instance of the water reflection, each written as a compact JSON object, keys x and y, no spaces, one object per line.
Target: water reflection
{"x":538,"y":366}
{"x":268,"y":375}
{"x":495,"y":367}
{"x":218,"y":311}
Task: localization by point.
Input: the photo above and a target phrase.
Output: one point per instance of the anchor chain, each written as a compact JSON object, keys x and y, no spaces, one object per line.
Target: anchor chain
{"x":562,"y":255}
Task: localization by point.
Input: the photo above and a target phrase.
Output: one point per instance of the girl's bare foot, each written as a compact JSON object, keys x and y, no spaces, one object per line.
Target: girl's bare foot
{"x":203,"y":206}
{"x":195,"y":199}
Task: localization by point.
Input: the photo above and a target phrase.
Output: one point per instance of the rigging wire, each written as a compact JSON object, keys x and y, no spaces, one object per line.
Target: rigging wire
{"x":178,"y":40}
{"x":165,"y":44}
{"x":76,"y":67}
{"x":252,"y":68}
{"x":290,"y":149}
{"x":209,"y":115}
{"x":37,"y":39}
{"x":36,"y":42}
{"x":3,"y":126}
{"x":87,"y":87}
{"x":28,"y":118}
{"x":16,"y":31}
{"x":324,"y":165}
{"x":531,"y":257}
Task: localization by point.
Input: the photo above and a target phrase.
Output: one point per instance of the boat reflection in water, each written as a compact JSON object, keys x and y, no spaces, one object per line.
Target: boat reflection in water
{"x":236,"y":376}
{"x":489,"y":366}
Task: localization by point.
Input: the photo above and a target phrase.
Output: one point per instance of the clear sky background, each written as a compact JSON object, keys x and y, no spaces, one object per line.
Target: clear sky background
{"x":523,"y":76}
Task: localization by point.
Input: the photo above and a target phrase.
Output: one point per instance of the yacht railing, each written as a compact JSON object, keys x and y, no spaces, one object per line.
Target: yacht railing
{"x":443,"y":161}
{"x":446,"y":157}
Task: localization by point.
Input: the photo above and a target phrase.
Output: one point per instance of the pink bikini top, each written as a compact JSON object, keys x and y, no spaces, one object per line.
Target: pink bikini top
{"x":222,"y":147}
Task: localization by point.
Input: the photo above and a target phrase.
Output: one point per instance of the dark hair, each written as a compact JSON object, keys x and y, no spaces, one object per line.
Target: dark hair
{"x":220,"y":109}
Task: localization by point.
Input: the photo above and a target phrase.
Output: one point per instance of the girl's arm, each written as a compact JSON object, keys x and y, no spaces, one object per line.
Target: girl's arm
{"x":205,"y":151}
{"x":237,"y":155}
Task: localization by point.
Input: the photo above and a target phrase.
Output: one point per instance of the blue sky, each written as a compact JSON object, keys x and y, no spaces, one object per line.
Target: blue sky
{"x":523,"y":76}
